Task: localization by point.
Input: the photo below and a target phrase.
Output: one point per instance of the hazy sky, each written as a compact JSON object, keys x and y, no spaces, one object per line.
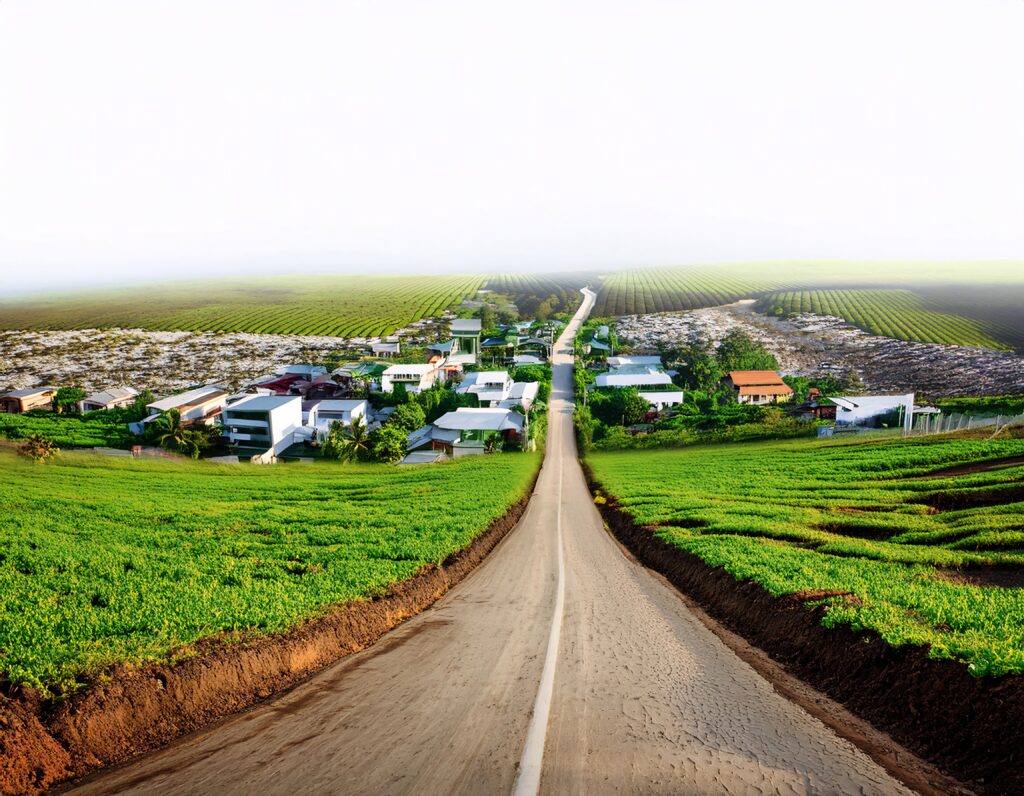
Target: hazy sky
{"x":176,"y":138}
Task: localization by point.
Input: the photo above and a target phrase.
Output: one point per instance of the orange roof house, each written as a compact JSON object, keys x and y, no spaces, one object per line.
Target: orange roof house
{"x":758,"y":387}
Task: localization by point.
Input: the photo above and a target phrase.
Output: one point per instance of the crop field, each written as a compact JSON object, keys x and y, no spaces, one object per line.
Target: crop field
{"x":564,"y":288}
{"x":342,"y":306}
{"x":92,"y":430}
{"x":105,"y":560}
{"x":916,"y":539}
{"x":891,"y":313}
{"x":962,"y":304}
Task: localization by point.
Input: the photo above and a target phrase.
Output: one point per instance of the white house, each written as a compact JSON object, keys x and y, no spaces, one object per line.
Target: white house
{"x":264,"y":423}
{"x":522,"y":393}
{"x":476,"y":426}
{"x":386,"y":348}
{"x":322,"y":414}
{"x":107,"y":399}
{"x":866,"y":409}
{"x":494,"y":389}
{"x":201,"y":405}
{"x":415,"y":378}
{"x":645,"y":374}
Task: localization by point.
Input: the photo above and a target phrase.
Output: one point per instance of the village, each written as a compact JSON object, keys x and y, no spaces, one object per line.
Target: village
{"x":449,"y":388}
{"x":298,"y":412}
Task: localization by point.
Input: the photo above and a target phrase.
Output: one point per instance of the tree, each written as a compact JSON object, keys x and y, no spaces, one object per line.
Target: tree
{"x":167,"y":430}
{"x":408,"y":417}
{"x":739,"y":351}
{"x":139,"y":407}
{"x":388,"y":444}
{"x":632,"y":407}
{"x":698,"y":369}
{"x":67,"y":397}
{"x":399,"y":394}
{"x":347,"y":444}
{"x":38,"y":448}
{"x":486,"y":315}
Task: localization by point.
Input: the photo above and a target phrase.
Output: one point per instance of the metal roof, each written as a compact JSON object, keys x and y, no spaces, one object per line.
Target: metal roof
{"x":466,"y":325}
{"x":264,"y":403}
{"x":481,"y":420}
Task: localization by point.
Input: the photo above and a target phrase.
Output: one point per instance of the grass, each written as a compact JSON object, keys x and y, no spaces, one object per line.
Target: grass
{"x":919,"y":302}
{"x":110,"y":560}
{"x":344,"y":306}
{"x":100,"y":429}
{"x":863,"y":518}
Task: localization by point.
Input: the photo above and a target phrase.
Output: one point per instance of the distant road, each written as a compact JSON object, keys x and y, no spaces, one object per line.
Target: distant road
{"x":639,"y":696}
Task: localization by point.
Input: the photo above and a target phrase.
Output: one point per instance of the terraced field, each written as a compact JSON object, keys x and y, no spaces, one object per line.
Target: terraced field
{"x":910,"y":302}
{"x":891,"y":313}
{"x":105,"y":560}
{"x":343,"y":306}
{"x":913,"y":539}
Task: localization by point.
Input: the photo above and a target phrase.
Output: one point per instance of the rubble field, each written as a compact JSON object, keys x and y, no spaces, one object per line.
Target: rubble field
{"x":165,"y":362}
{"x":812,"y":345}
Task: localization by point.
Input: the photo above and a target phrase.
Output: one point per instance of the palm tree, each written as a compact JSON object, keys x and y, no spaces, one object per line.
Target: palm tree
{"x":168,"y":431}
{"x":355,"y":442}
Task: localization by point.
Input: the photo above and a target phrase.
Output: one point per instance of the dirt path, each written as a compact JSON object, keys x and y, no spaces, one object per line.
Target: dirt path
{"x":644,"y":698}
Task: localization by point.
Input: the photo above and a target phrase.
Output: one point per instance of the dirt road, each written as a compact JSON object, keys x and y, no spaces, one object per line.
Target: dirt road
{"x":559,"y":666}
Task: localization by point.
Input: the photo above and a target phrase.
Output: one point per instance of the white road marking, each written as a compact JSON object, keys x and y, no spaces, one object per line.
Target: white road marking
{"x":532,"y":761}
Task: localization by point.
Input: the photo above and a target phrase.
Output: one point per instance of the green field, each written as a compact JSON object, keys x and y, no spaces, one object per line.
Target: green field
{"x":105,"y":560}
{"x":862,"y":519}
{"x":93,"y":430}
{"x":893,"y":313}
{"x":344,"y":306}
{"x":956,"y":303}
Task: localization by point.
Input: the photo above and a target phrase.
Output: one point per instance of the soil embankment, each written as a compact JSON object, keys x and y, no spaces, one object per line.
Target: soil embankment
{"x":135,"y":710}
{"x":967,"y":726}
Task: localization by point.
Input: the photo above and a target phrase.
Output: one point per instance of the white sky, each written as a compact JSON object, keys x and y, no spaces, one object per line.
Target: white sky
{"x":209,"y":137}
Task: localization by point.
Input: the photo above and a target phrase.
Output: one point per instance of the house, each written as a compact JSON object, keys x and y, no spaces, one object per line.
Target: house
{"x":647,"y":375}
{"x":495,"y":389}
{"x":108,"y":399}
{"x":199,"y":406}
{"x":387,"y":348}
{"x":307,"y":372}
{"x":465,"y":341}
{"x":592,"y":345}
{"x":321,"y":415}
{"x":476,"y":427}
{"x":438,"y":439}
{"x":18,"y":401}
{"x":758,"y":387}
{"x":415,"y":378}
{"x":264,"y":425}
{"x":867,"y":410}
{"x":522,"y":393}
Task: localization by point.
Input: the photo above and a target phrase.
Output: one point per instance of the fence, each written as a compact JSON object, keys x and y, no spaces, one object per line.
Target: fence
{"x":942,"y":424}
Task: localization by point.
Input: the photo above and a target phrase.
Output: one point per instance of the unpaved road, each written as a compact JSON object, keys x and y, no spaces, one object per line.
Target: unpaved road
{"x":640,"y":697}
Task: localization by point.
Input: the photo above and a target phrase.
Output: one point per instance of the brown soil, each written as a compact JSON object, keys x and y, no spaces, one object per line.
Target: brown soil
{"x":1007,"y":577}
{"x":134,"y":710}
{"x":974,"y":498}
{"x":969,"y":727}
{"x":975,"y":467}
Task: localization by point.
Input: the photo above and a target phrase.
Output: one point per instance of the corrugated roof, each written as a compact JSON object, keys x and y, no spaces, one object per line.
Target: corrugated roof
{"x":480,"y":420}
{"x":466,"y":325}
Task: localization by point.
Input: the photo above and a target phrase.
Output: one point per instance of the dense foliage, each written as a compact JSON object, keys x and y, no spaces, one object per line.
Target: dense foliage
{"x":876,"y":523}
{"x":109,"y":559}
{"x":985,"y":405}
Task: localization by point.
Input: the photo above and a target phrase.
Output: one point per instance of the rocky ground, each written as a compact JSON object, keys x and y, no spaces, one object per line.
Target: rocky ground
{"x":814,"y":344}
{"x":165,"y":362}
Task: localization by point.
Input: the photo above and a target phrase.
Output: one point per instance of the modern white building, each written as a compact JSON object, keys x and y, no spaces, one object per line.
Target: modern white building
{"x":648,"y":377}
{"x":415,"y":378}
{"x":265,"y":424}
{"x":862,"y":410}
{"x":108,"y":399}
{"x":321,"y":415}
{"x":494,"y":389}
